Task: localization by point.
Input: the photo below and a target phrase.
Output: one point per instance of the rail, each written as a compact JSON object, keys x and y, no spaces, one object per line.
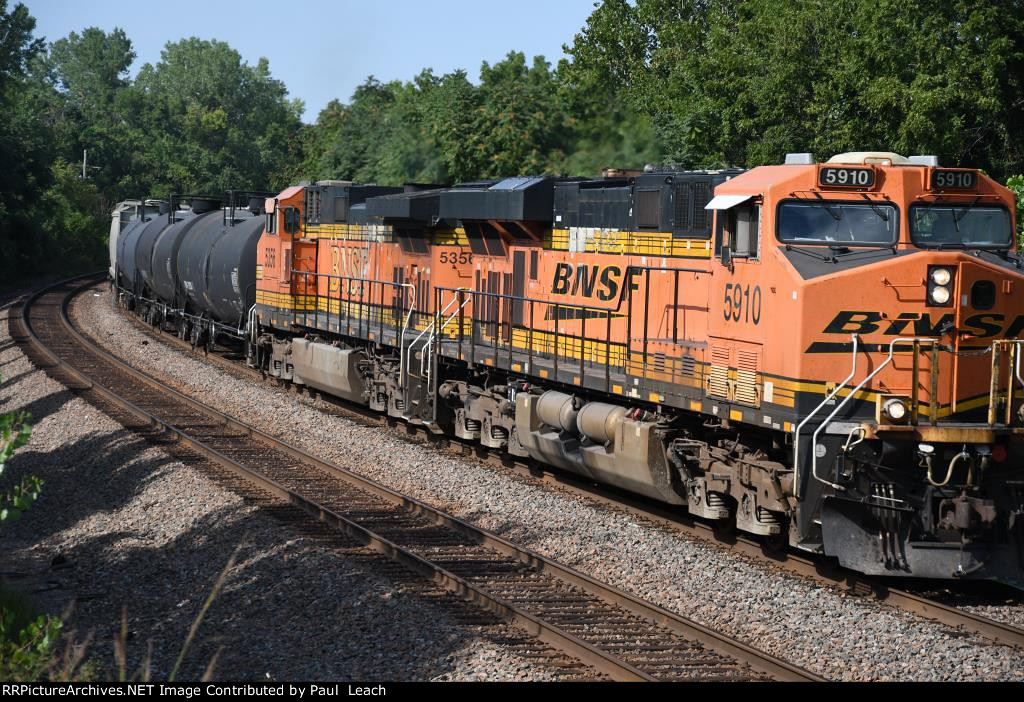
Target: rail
{"x":630,"y":638}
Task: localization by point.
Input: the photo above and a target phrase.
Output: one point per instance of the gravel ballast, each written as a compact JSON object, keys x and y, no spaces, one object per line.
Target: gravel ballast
{"x":123,"y":527}
{"x":820,"y":628}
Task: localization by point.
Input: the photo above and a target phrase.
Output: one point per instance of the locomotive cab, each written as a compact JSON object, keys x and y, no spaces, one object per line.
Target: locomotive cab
{"x":876,"y":303}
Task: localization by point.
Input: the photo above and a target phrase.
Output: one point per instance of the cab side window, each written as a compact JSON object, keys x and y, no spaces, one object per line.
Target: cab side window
{"x":743,"y":231}
{"x":291,"y":220}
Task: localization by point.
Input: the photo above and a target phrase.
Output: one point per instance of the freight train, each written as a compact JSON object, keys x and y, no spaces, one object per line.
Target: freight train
{"x":824,"y":354}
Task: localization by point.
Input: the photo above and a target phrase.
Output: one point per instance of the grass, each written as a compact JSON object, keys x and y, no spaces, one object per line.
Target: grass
{"x":32,"y":647}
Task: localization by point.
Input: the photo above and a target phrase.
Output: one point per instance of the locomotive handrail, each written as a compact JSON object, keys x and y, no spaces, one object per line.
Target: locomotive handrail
{"x":1015,"y":354}
{"x":853,"y":393}
{"x":405,"y":325}
{"x":350,"y":298}
{"x":425,"y":361}
{"x":828,"y":398}
{"x":426,"y":329}
{"x":1019,"y":380}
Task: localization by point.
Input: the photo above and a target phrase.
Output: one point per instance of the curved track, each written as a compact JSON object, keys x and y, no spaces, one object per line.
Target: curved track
{"x":818,"y":569}
{"x":616,"y":633}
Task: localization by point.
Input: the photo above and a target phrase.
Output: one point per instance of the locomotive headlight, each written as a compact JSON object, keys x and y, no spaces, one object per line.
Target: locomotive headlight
{"x":895,"y":409}
{"x":941,"y":276}
{"x":940,"y":286}
{"x":940,"y":295}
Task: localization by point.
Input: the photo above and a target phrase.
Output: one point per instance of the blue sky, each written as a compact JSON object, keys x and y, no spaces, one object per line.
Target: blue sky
{"x":324,"y":49}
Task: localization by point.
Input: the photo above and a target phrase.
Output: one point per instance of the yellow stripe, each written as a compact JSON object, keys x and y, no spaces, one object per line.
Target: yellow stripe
{"x":611,"y":241}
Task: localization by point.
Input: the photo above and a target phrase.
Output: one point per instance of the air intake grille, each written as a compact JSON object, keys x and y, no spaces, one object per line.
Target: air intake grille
{"x":701,"y":197}
{"x":718,"y":379}
{"x":747,"y":386}
{"x":681,"y":218}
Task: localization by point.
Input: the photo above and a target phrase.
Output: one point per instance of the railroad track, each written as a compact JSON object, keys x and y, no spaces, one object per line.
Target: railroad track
{"x":615,"y":633}
{"x":821,"y":571}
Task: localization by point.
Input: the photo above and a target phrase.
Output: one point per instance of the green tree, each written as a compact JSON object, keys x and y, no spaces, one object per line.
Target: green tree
{"x":25,"y":143}
{"x":607,"y":131}
{"x":351,"y":139}
{"x":521,"y":124}
{"x":213,"y":122}
{"x":90,"y":109}
{"x":741,"y":82}
{"x":440,"y":129}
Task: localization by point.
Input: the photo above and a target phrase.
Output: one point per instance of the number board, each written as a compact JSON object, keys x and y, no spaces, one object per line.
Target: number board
{"x":831,"y":177}
{"x":954,"y":180}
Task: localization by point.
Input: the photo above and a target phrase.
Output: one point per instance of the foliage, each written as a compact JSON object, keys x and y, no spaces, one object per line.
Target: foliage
{"x":199,"y":120}
{"x":25,"y":149}
{"x":692,"y":83}
{"x":212,"y":122}
{"x":26,"y":652}
{"x":89,"y":106}
{"x":520,"y":118}
{"x":26,"y":644}
{"x":742,"y":83}
{"x":15,"y":431}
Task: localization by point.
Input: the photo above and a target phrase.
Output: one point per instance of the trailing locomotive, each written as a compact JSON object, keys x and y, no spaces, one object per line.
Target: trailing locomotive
{"x":825,"y":354}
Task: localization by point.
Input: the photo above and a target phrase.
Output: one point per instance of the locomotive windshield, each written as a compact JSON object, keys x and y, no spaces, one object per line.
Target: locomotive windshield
{"x":839,"y":223}
{"x":960,"y":226}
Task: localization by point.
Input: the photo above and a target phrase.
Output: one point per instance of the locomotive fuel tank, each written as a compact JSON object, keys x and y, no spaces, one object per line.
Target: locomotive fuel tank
{"x":597,"y":441}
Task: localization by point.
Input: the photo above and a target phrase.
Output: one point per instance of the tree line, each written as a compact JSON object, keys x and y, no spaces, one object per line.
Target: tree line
{"x":690,"y":83}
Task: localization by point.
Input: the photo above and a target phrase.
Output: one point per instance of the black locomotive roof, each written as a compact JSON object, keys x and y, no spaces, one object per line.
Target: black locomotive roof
{"x":520,"y":198}
{"x":421,"y":206}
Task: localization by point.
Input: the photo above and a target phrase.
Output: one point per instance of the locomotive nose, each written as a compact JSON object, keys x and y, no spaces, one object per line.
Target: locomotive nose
{"x":988,"y":301}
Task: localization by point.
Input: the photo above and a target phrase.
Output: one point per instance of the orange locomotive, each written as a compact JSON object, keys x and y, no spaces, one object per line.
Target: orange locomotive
{"x":825,"y":353}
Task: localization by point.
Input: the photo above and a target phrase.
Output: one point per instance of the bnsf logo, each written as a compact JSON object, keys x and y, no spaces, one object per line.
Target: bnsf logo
{"x":587,"y":281}
{"x":979,"y":325}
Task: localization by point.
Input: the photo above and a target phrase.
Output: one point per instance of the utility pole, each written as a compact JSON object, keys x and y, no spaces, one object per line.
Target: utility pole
{"x":86,"y":166}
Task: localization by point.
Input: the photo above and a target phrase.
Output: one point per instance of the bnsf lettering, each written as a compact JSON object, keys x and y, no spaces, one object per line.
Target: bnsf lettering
{"x":348,"y":263}
{"x":587,"y":281}
{"x":979,"y":325}
{"x":854,"y":323}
